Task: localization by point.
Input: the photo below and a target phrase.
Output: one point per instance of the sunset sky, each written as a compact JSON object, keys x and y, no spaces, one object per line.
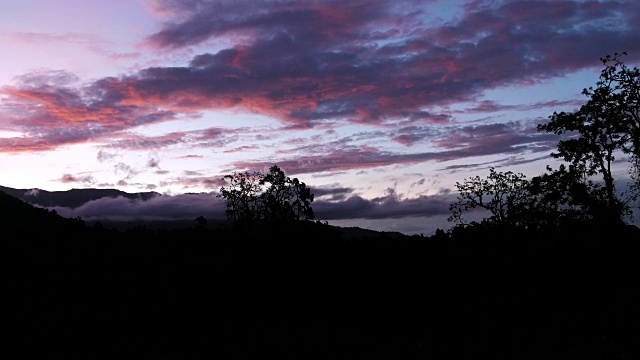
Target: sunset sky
{"x":378,"y":106}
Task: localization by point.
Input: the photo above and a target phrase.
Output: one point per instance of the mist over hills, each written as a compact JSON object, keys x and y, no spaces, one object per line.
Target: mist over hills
{"x":113,"y":209}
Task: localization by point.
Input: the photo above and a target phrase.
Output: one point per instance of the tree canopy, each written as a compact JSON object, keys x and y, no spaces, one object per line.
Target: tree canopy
{"x":604,"y":130}
{"x":606,"y":126}
{"x":255,"y":198}
{"x":504,"y":195}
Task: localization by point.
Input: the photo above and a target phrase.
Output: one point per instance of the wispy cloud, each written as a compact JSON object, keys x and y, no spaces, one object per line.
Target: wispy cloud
{"x":90,"y":42}
{"x":454,"y":142}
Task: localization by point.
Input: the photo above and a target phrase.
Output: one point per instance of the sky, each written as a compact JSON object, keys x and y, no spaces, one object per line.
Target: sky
{"x":378,"y":106}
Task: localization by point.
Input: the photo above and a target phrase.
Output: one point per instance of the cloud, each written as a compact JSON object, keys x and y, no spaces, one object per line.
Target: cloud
{"x":388,"y":206}
{"x":127,"y":170}
{"x":190,"y":206}
{"x":105,"y":156}
{"x":84,"y":179}
{"x":210,"y":137}
{"x":191,"y":180}
{"x":332,"y":193}
{"x":164,"y":207}
{"x":32,"y":192}
{"x":50,"y":111}
{"x":46,"y":79}
{"x":314,"y":64}
{"x":90,"y":42}
{"x":153,"y":163}
{"x":453,"y":142}
{"x":332,"y":20}
{"x":361,"y":61}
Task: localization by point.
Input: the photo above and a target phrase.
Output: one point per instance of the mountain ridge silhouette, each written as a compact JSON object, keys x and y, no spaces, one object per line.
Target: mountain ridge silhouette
{"x":71,"y":198}
{"x":74,"y":198}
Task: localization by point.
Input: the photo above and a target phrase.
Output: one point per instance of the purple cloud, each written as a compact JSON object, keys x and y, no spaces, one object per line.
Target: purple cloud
{"x":316,"y":63}
{"x":454,"y":142}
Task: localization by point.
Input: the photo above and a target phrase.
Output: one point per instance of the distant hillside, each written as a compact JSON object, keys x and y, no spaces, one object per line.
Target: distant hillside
{"x":22,"y":199}
{"x":19,"y":217}
{"x":356,"y":232}
{"x":13,"y":212}
{"x":71,"y":198}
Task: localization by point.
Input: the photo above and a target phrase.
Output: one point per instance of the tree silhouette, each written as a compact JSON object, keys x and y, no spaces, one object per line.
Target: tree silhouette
{"x":603,"y":128}
{"x":504,"y":195}
{"x":619,"y":89}
{"x":286,"y":198}
{"x":607,"y":124}
{"x":242,"y":198}
{"x":255,"y":198}
{"x":563,"y":195}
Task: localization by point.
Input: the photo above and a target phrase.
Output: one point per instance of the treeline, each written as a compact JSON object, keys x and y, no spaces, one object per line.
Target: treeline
{"x":304,"y":291}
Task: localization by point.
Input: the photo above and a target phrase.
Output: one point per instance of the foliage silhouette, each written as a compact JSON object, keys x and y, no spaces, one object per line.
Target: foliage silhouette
{"x":256,"y":199}
{"x":563,"y":196}
{"x":504,"y":195}
{"x":607,"y":124}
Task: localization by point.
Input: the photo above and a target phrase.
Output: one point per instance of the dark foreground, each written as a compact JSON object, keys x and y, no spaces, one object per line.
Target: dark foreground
{"x":306,"y":293}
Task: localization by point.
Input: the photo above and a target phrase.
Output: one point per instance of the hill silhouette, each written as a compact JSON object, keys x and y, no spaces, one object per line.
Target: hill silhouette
{"x":76,"y":197}
{"x":71,"y":198}
{"x":15,"y":212}
{"x":304,"y":291}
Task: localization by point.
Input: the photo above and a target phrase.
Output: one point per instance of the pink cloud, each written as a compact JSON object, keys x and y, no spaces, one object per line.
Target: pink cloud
{"x":310,"y":64}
